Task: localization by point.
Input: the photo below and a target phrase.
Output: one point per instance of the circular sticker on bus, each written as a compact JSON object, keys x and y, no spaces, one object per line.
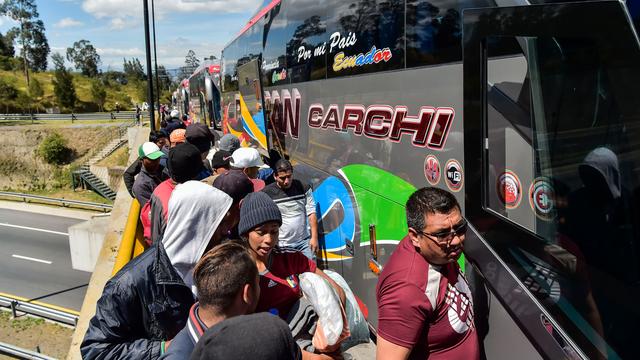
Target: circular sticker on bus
{"x":509,"y":189}
{"x":432,"y":170}
{"x":541,"y":198}
{"x":453,"y":175}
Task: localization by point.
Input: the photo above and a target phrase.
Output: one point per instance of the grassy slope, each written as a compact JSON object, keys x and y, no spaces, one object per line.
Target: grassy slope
{"x":123,"y":94}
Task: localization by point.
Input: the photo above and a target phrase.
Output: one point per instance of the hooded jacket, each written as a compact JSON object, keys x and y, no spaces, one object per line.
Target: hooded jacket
{"x":148,"y":300}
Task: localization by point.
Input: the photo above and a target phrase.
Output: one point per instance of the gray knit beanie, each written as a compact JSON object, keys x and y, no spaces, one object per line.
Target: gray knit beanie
{"x":257,"y":209}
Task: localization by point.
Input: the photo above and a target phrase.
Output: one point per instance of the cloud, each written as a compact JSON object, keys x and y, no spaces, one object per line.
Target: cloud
{"x":67,"y":23}
{"x":123,"y":9}
{"x":131,"y":52}
{"x":123,"y":23}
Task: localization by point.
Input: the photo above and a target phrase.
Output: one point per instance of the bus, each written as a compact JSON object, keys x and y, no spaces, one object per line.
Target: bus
{"x":204,"y":94}
{"x":525,"y":110}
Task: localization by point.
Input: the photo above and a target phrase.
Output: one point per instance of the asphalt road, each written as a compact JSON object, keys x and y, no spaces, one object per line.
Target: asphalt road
{"x":35,"y":260}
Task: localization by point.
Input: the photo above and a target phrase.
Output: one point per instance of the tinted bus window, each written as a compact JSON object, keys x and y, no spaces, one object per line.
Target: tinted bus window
{"x":434,"y":30}
{"x":563,"y":165}
{"x":250,"y":43}
{"x":230,"y":57}
{"x":365,"y":36}
{"x":274,"y":56}
{"x":306,"y":28}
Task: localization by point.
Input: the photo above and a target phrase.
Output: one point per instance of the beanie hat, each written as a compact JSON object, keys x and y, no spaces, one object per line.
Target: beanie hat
{"x":257,"y":209}
{"x":184,"y":162}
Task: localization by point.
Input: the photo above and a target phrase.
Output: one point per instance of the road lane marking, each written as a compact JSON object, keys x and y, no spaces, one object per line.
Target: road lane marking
{"x":34,"y":229}
{"x":31,"y":259}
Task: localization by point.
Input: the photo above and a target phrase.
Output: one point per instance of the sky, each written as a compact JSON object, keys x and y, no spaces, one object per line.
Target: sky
{"x":116,"y":27}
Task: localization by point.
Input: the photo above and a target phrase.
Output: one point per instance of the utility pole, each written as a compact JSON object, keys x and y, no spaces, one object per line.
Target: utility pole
{"x":155,"y":50}
{"x":147,"y":43}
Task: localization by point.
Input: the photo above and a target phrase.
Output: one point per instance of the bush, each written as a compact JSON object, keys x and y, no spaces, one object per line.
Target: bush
{"x":53,"y":149}
{"x":7,"y":90}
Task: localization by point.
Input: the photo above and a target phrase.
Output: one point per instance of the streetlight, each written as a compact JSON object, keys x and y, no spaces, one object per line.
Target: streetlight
{"x":147,"y":43}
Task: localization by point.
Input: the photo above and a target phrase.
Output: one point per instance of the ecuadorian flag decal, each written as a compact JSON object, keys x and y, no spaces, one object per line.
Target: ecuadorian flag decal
{"x":253,"y":125}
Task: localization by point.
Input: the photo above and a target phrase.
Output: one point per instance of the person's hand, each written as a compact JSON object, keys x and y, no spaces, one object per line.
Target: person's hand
{"x":313,"y":244}
{"x":167,"y":343}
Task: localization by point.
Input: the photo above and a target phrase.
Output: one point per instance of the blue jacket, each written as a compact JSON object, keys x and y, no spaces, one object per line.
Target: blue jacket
{"x":145,"y":303}
{"x":182,"y":345}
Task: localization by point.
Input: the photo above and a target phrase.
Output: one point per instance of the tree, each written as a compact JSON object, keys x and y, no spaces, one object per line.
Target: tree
{"x":63,"y":86}
{"x":191,"y":62}
{"x":35,"y":89}
{"x":24,"y":102}
{"x":6,"y":46}
{"x":164,"y":79}
{"x":134,"y":70}
{"x":98,"y":93}
{"x":85,"y":57}
{"x":30,"y":34}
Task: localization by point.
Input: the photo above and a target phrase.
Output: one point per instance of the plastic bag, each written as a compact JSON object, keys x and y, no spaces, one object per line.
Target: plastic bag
{"x":358,"y":326}
{"x":331,"y":322}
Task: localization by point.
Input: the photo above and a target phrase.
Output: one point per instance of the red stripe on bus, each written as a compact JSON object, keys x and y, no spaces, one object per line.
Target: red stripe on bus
{"x":362,"y":306}
{"x":262,"y":13}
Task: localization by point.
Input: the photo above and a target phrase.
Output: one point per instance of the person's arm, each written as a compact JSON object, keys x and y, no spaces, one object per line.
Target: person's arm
{"x":313,"y":219}
{"x":129,"y":175}
{"x":313,"y":224}
{"x":113,"y":332}
{"x":386,"y":350}
{"x":339,"y":291}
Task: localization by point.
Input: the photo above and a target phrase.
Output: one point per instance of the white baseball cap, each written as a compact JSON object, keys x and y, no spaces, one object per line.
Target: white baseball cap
{"x":174,"y":113}
{"x":246,"y":157}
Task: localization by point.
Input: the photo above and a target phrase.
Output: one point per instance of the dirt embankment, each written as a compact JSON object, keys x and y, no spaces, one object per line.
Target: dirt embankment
{"x":33,"y":333}
{"x":22,"y":170}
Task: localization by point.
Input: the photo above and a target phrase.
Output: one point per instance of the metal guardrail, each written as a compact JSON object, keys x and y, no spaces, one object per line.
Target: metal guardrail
{"x":20,"y":353}
{"x":61,"y":202}
{"x":123,"y":115}
{"x":132,"y":243}
{"x":51,"y":312}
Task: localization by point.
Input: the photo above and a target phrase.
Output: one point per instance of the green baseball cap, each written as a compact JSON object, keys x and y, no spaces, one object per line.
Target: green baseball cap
{"x":150,"y":151}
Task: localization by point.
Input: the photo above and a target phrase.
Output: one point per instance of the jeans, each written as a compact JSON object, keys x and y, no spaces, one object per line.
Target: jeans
{"x":304,"y":248}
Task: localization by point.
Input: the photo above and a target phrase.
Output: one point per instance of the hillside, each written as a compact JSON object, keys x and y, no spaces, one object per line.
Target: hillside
{"x":22,"y":170}
{"x":127,"y":95}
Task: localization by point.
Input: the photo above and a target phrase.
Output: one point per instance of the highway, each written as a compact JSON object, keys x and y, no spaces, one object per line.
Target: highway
{"x":35,"y":259}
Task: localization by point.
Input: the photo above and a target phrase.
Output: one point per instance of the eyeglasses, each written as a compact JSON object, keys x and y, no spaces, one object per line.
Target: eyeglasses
{"x":444,"y":238}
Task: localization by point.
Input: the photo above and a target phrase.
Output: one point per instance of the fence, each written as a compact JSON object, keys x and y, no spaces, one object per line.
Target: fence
{"x":123,"y":115}
{"x":61,"y":202}
{"x":17,"y":304}
{"x":19,"y":353}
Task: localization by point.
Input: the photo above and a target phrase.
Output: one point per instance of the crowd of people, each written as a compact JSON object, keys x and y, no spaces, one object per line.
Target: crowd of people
{"x":229,"y":238}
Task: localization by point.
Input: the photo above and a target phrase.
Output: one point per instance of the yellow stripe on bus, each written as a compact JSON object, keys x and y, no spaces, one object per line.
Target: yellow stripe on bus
{"x":248,"y":119}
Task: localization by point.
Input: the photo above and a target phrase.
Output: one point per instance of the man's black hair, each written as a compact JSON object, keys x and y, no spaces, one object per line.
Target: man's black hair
{"x":283,"y":165}
{"x":154,"y":136}
{"x":428,"y":200}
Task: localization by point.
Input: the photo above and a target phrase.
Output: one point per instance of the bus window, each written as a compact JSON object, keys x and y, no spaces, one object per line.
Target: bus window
{"x":434,"y":30}
{"x":365,"y":37}
{"x":305,"y":34}
{"x":562,"y":164}
{"x":230,"y":64}
{"x":274,"y":55}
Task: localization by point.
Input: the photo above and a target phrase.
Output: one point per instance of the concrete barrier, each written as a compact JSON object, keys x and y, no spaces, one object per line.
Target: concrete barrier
{"x":85,"y":242}
{"x":104,"y":265}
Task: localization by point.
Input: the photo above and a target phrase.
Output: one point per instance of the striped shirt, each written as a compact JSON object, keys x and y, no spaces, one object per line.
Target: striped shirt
{"x":295,"y":203}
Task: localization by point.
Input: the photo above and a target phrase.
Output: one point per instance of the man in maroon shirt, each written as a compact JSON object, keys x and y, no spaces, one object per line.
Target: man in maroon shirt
{"x":425,"y":310}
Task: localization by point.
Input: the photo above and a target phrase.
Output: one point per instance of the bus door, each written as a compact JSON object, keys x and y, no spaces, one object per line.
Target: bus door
{"x":552,"y":149}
